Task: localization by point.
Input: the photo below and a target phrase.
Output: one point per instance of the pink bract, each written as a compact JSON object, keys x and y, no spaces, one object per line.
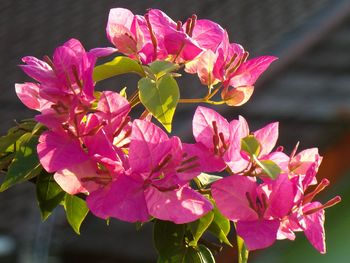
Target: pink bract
{"x":257,"y":209}
{"x":156,"y":186}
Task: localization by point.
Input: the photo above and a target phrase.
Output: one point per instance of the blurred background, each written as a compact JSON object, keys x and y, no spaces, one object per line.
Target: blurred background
{"x":307,"y":90}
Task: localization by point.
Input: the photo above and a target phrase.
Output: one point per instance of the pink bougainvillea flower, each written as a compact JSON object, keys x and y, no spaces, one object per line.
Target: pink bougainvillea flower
{"x":74,"y":179}
{"x":300,"y":163}
{"x":68,"y":73}
{"x":130,"y":34}
{"x":102,"y":51}
{"x":237,"y":96}
{"x":207,"y":34}
{"x":78,"y":170}
{"x":65,"y":90}
{"x":221,"y":142}
{"x":58,"y":150}
{"x":217,"y":63}
{"x":256,"y":209}
{"x":113,"y":109}
{"x":171,"y":39}
{"x":240,"y":80}
{"x":212,"y":133}
{"x":227,"y":63}
{"x":105,"y":163}
{"x":77,"y":150}
{"x":249,"y":71}
{"x":308,"y":215}
{"x":28,"y":93}
{"x":203,"y":66}
{"x":155,"y":185}
{"x":267,"y":137}
{"x":121,"y":30}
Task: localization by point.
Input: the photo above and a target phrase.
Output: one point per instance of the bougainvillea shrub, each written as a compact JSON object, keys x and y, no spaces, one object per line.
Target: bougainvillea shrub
{"x":85,"y":152}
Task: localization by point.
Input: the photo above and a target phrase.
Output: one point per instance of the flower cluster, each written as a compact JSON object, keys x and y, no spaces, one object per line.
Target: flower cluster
{"x":202,"y":45}
{"x":263,"y":208}
{"x":131,"y":170}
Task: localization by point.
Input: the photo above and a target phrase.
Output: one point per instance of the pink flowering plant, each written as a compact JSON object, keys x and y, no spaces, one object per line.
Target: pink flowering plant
{"x":84,"y":152}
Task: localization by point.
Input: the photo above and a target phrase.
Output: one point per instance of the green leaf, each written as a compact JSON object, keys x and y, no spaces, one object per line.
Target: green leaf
{"x":207,"y":179}
{"x":201,"y":254}
{"x":117,"y":66}
{"x":25,"y":164}
{"x":5,"y":160}
{"x":220,"y":226}
{"x":205,"y":254}
{"x":269,"y":167}
{"x":49,"y":194}
{"x":243,"y":252}
{"x":160,"y":98}
{"x":76,"y":211}
{"x":160,"y":68}
{"x":199,"y":226}
{"x":169,"y":241}
{"x":38,"y":128}
{"x":250,"y":145}
{"x":14,"y":134}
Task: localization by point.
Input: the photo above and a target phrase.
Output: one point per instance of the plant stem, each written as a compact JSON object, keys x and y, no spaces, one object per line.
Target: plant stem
{"x":199,"y":100}
{"x":212,"y":93}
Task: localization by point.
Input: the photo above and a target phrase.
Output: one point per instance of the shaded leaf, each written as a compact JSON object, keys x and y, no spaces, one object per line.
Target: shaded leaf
{"x":49,"y":194}
{"x":25,"y":164}
{"x":206,"y":255}
{"x":201,"y":254}
{"x":14,"y":134}
{"x":117,"y":66}
{"x":169,"y":241}
{"x":160,"y":98}
{"x":76,"y":211}
{"x":220,"y":226}
{"x":5,"y":160}
{"x":199,"y":226}
{"x":38,"y":128}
